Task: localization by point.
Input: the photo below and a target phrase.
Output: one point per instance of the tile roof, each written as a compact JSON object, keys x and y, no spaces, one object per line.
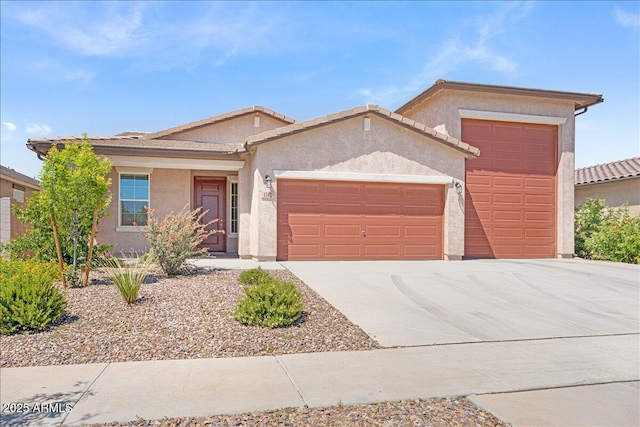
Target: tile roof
{"x":619,"y":170}
{"x":135,"y":142}
{"x":12,"y":175}
{"x":581,"y":99}
{"x":358,"y":111}
{"x":219,"y":118}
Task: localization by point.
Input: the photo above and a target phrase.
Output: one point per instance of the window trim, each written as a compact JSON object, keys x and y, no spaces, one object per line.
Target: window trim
{"x":21,"y":189}
{"x":233,"y":180}
{"x":131,"y":228}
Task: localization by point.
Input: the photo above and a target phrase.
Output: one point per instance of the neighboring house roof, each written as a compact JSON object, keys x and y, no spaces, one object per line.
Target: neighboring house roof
{"x":220,"y":118}
{"x":606,"y":172}
{"x":14,"y":176}
{"x":136,"y":145}
{"x":298,"y":127}
{"x":581,"y":100}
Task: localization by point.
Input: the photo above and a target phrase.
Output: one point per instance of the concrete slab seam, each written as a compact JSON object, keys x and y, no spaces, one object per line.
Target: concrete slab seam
{"x":85,"y":392}
{"x":293,"y":383}
{"x":451,"y":344}
{"x":576,"y":385}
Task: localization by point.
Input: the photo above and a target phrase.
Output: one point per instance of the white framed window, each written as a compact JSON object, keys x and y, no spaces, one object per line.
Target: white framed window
{"x":233,"y":206}
{"x":133,"y":199}
{"x":18,"y":193}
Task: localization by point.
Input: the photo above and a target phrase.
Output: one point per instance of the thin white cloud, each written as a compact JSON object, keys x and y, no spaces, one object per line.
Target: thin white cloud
{"x":34,"y":128}
{"x":627,"y":19}
{"x":9,"y":126}
{"x":455,"y":53}
{"x":140,"y":31}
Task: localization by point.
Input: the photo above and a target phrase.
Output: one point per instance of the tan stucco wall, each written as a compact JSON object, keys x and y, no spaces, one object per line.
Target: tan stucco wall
{"x":170,"y":190}
{"x":441,"y":112}
{"x":232,"y":130}
{"x":11,"y":226}
{"x":615,"y":193}
{"x":245,"y":198}
{"x":344,"y":146}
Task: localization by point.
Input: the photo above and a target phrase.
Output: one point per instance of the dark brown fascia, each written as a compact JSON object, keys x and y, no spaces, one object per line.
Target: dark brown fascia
{"x":42,"y":148}
{"x":580,"y":99}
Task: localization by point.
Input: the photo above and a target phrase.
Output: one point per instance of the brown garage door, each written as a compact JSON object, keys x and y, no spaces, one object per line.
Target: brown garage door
{"x":337,"y":220}
{"x":511,"y":190}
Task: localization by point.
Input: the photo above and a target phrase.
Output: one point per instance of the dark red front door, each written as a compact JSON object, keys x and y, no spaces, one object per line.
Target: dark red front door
{"x":210,"y":195}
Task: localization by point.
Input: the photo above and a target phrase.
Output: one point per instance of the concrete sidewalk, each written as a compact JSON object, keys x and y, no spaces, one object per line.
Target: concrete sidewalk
{"x":98,"y":393}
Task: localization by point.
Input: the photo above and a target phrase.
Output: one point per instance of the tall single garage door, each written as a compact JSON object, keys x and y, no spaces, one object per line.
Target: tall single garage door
{"x":336,"y":220}
{"x":511,"y":190}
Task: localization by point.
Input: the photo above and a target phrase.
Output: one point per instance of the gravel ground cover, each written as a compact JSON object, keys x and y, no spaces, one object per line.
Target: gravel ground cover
{"x":184,"y":317}
{"x":456,"y":411}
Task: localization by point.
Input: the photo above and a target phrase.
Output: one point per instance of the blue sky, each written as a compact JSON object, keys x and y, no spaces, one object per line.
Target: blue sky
{"x":102,"y":68}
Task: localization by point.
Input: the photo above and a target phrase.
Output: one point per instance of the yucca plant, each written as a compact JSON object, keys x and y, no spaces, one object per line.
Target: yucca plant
{"x":127,"y":275}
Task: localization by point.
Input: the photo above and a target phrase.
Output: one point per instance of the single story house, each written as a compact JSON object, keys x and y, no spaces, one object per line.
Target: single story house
{"x":15,"y":188}
{"x":461,"y":170}
{"x":616,"y":182}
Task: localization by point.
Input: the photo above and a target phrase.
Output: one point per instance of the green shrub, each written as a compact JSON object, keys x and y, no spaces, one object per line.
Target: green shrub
{"x":605,"y":233}
{"x":177,"y":237}
{"x":254,"y":276}
{"x":127,"y":275}
{"x":270,"y":302}
{"x":29,"y":299}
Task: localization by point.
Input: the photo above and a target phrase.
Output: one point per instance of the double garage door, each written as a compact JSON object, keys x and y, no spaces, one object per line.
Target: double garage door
{"x":510,"y":203}
{"x":336,"y":220}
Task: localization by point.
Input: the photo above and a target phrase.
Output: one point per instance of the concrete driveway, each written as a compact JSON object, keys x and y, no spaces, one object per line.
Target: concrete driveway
{"x":410,"y":303}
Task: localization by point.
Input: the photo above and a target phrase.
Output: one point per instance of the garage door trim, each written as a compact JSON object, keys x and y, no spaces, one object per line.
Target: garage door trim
{"x":362,"y":177}
{"x":511,"y":117}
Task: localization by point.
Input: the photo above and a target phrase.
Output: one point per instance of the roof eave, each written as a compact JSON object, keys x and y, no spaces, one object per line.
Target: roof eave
{"x":580,"y":99}
{"x":607,"y":181}
{"x":43,"y":147}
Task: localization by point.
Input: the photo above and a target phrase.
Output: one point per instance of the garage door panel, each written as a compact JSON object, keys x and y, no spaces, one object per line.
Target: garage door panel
{"x":508,"y":181}
{"x":387,"y":231}
{"x":507,"y":232}
{"x":509,"y":196}
{"x":399,"y":221}
{"x":515,"y":215}
{"x":339,"y":230}
{"x":382,"y":251}
{"x":304,"y":250}
{"x":341,"y":251}
{"x":302,"y":207}
{"x":342,"y":189}
{"x":340,"y":208}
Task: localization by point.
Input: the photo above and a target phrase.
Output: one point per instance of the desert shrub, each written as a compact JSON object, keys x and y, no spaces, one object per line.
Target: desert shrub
{"x":127,"y":275}
{"x":254,"y":276}
{"x":270,"y":302}
{"x":29,"y":298}
{"x":177,"y":237}
{"x":605,"y":233}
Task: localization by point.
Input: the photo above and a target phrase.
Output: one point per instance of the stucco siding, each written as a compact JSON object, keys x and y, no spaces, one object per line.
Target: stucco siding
{"x":614,"y":193}
{"x":442,"y":112}
{"x":169,"y":190}
{"x":229,"y":131}
{"x":345,"y":147}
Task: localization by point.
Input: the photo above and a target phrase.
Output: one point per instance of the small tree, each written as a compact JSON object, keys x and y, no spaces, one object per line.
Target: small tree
{"x":64,"y":215}
{"x":607,"y":233}
{"x":177,"y":237}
